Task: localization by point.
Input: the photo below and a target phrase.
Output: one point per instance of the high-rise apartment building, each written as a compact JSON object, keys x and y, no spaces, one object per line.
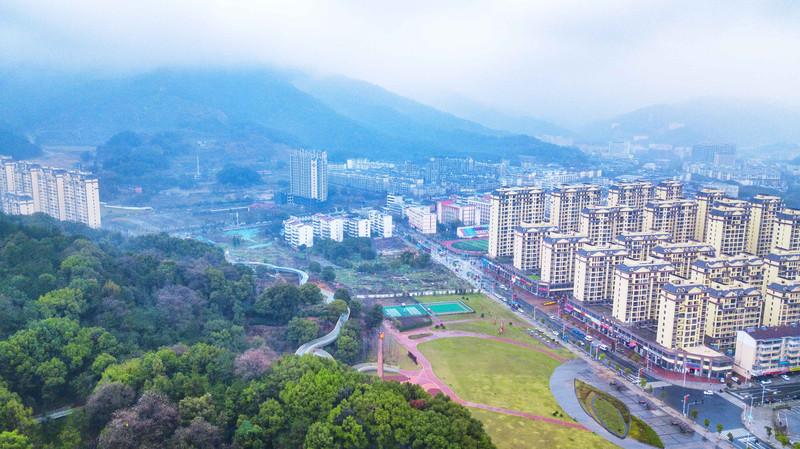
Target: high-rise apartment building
{"x":678,"y":217}
{"x":594,"y":272}
{"x":568,"y":201}
{"x":558,"y":259}
{"x":602,"y":223}
{"x":723,"y":269}
{"x":727,"y":229}
{"x":636,"y":288}
{"x":66,"y":195}
{"x":781,"y":303}
{"x":511,"y":207}
{"x":681,"y":315}
{"x":729,"y":309}
{"x":669,"y":190}
{"x":528,"y":244}
{"x":633,"y":194}
{"x":705,"y":199}
{"x":640,"y":244}
{"x":681,"y":255}
{"x":786,"y":233}
{"x":763,"y":213}
{"x":780,"y":264}
{"x":308,"y":174}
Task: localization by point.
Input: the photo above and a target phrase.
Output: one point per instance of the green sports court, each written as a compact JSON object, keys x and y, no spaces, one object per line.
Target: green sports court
{"x":432,"y":308}
{"x":448,"y":308}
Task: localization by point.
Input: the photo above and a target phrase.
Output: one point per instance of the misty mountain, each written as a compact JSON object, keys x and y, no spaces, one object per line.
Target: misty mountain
{"x":495,"y":119}
{"x":344,"y":117}
{"x":17,"y":146}
{"x":741,"y":121}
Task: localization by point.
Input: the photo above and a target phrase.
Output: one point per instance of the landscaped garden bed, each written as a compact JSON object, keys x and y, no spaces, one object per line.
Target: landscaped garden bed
{"x":613,"y":414}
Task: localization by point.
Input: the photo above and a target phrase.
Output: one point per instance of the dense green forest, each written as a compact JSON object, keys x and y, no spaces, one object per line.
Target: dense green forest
{"x":145,"y":340}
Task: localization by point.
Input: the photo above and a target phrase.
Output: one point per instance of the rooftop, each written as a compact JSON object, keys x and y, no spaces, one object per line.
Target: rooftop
{"x":767,"y":333}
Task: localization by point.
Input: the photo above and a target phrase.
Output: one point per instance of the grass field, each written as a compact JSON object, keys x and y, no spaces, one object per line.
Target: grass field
{"x":609,"y":415}
{"x":472,"y":245}
{"x":516,"y":333}
{"x":491,"y":309}
{"x":514,"y":432}
{"x":494,"y":373}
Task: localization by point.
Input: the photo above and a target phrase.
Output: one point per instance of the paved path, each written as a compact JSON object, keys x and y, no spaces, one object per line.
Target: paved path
{"x":562,"y":386}
{"x":432,"y":384}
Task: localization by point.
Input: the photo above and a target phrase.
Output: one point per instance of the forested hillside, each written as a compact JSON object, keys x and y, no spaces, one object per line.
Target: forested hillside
{"x":144,"y":340}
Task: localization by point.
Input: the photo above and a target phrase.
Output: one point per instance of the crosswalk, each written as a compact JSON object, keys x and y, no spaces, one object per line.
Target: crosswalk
{"x":752,"y":442}
{"x":733,"y":400}
{"x":739,"y":432}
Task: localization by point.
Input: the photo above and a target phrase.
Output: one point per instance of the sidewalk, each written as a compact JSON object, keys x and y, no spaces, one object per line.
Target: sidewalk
{"x":563,"y":388}
{"x":762,"y":417}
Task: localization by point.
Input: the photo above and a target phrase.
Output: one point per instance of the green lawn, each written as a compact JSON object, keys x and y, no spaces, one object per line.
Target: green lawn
{"x":494,"y":373}
{"x":491,"y":308}
{"x":472,"y":245}
{"x":514,"y":432}
{"x":516,"y":333}
{"x":609,"y":415}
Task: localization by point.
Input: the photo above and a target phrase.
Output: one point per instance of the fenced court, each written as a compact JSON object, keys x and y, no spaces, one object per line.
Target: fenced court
{"x":447,"y":308}
{"x":431,"y":308}
{"x":402,"y":311}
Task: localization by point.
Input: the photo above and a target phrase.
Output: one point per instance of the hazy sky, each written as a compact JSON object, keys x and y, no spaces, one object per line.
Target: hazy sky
{"x":564,"y":60}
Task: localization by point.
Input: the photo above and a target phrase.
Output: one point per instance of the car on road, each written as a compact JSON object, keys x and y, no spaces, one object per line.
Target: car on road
{"x":708,"y":393}
{"x":552,"y":317}
{"x":602,"y":347}
{"x":588,"y":338}
{"x":556,"y":333}
{"x":785,"y":377}
{"x":766,"y":381}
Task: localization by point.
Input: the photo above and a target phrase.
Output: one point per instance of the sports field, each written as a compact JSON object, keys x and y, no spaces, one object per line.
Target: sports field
{"x":407,"y":310}
{"x":472,"y":245}
{"x":448,"y":308}
{"x":477,"y":302}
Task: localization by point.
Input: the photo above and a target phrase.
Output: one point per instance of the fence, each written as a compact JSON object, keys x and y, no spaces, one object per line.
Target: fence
{"x":455,"y":291}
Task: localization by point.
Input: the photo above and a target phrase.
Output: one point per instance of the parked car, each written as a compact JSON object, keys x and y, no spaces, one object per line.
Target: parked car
{"x":708,"y":393}
{"x":556,"y":333}
{"x":602,"y":347}
{"x":766,"y":381}
{"x":588,"y":338}
{"x":785,"y":377}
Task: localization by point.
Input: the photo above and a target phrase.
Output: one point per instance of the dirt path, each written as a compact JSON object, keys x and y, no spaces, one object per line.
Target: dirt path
{"x":432,"y":384}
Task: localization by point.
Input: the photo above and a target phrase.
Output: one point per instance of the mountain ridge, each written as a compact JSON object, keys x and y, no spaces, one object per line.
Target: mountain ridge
{"x":222,"y":102}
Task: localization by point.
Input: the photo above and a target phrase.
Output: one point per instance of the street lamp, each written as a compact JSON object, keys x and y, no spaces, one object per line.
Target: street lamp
{"x":763,"y":390}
